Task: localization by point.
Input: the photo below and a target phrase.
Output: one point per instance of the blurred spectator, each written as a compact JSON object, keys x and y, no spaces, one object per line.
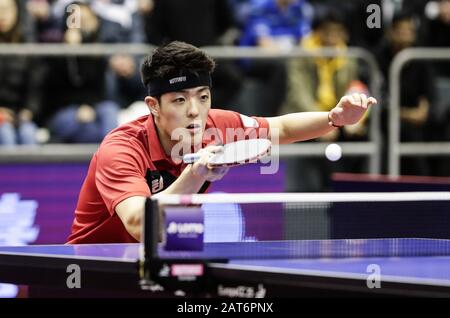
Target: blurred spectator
{"x":242,"y":10}
{"x":20,"y":78}
{"x":124,"y":85}
{"x":316,"y":84}
{"x":123,"y":79}
{"x":274,"y":25}
{"x":438,"y":35}
{"x":438,"y":30}
{"x":201,"y":23}
{"x":75,"y":97}
{"x":416,"y":87}
{"x":122,"y":12}
{"x":47,"y":26}
{"x":173,"y":20}
{"x":356,"y":16}
{"x":120,"y":22}
{"x":120,"y":17}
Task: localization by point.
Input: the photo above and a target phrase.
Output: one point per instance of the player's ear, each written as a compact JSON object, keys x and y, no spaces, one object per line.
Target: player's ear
{"x":153,"y":105}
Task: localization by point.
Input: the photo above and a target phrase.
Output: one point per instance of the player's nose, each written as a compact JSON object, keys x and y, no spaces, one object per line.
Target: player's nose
{"x":193,"y":109}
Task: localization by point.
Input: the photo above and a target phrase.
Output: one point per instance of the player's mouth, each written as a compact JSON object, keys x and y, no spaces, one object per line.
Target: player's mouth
{"x":194,"y":128}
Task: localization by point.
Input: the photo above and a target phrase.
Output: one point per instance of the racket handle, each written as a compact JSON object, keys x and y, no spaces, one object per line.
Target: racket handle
{"x":191,"y":157}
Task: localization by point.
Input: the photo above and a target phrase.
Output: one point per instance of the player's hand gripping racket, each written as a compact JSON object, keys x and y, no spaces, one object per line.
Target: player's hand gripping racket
{"x":235,"y":153}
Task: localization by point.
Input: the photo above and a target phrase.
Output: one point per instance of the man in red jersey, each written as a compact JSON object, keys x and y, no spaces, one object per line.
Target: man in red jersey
{"x":144,"y":157}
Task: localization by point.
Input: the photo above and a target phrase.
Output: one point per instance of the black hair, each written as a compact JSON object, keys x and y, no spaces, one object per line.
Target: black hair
{"x":173,"y":58}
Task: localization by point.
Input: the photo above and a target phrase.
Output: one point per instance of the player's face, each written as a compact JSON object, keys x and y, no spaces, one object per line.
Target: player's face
{"x":184,"y":113}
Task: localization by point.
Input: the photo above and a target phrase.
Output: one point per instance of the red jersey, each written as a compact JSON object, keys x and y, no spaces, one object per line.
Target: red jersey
{"x":131,"y":162}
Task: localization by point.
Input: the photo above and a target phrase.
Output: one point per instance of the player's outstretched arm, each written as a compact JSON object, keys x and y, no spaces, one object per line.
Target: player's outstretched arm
{"x":309,"y":125}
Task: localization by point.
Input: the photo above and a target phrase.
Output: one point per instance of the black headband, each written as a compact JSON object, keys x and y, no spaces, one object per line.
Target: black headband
{"x":178,"y":82}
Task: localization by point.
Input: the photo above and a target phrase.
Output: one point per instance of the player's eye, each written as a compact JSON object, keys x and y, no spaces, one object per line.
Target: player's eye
{"x":204,"y":97}
{"x":179,"y":100}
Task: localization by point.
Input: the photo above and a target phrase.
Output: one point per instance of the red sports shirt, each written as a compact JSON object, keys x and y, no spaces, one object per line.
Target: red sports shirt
{"x":131,"y":162}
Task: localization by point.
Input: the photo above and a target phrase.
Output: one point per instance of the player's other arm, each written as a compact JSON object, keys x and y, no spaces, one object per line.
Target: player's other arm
{"x":309,"y":125}
{"x":131,"y":210}
{"x":131,"y":213}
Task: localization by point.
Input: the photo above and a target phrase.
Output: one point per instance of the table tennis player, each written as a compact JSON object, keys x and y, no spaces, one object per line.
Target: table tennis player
{"x":137,"y":159}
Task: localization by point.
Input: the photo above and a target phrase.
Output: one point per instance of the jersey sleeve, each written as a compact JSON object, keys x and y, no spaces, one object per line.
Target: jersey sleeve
{"x":120,"y":173}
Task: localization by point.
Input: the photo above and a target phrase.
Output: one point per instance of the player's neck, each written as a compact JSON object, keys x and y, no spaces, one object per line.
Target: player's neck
{"x":168,"y":146}
{"x":165,"y":140}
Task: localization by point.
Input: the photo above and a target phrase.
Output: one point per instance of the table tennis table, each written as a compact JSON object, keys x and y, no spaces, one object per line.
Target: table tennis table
{"x":406,"y":267}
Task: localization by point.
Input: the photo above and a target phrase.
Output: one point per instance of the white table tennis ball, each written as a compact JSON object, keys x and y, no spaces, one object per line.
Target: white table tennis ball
{"x":333,"y":152}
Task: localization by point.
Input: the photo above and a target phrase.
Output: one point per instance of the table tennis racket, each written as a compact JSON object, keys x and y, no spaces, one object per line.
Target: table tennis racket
{"x":235,"y":153}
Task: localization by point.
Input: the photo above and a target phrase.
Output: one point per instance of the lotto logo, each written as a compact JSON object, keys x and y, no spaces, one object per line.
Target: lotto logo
{"x":185,"y":228}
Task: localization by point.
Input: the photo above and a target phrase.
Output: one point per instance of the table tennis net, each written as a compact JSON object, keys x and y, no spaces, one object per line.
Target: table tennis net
{"x":322,"y":224}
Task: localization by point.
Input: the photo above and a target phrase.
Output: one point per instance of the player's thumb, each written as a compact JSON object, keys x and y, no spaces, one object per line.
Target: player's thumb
{"x":214,"y":149}
{"x":207,"y":152}
{"x":371,"y":101}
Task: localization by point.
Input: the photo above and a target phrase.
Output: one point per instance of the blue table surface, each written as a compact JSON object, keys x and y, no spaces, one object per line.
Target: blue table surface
{"x":418,"y":260}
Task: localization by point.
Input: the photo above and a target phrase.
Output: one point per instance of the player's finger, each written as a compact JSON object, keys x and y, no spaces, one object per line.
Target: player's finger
{"x":205,"y":155}
{"x":356,"y":99}
{"x":217,"y":173}
{"x":211,"y":176}
{"x":207,"y":152}
{"x":364,"y":101}
{"x":221,"y":171}
{"x":346,"y":99}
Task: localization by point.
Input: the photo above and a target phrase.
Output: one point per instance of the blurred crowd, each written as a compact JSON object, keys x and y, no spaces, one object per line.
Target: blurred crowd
{"x":79,"y":99}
